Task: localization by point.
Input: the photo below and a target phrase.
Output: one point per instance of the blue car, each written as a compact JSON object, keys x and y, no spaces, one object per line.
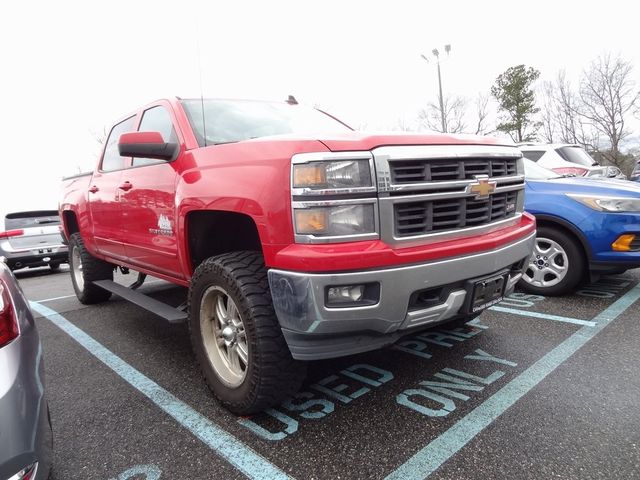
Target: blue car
{"x":586,"y":227}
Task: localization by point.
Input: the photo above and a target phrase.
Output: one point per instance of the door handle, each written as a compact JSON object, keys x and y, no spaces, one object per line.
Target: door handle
{"x":126,"y":186}
{"x":94,"y":189}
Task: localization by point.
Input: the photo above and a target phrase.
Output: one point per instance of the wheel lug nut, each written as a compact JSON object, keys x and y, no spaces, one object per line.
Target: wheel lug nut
{"x":545,"y":258}
{"x":537,"y":256}
{"x":546,"y":264}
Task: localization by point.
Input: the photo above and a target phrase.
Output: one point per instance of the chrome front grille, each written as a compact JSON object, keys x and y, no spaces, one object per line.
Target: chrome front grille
{"x":422,"y":170}
{"x":420,"y":218}
{"x":434,"y":193}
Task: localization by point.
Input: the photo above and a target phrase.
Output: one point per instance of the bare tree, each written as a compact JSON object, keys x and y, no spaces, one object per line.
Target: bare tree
{"x":454,"y":111}
{"x":402,"y":125}
{"x":608,"y":95}
{"x":548,"y":111}
{"x":567,"y":115}
{"x":481,"y":104}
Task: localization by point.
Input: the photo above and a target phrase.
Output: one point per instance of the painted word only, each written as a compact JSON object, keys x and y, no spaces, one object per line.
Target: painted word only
{"x":437,"y":397}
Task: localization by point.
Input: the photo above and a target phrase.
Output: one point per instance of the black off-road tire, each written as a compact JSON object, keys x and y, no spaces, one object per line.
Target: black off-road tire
{"x":271,"y":374}
{"x":93,"y":269}
{"x":577,"y":272}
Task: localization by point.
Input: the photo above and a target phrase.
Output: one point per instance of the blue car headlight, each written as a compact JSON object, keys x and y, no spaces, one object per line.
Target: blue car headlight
{"x":608,"y":204}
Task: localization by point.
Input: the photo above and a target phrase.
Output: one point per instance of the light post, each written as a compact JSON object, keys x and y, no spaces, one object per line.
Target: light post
{"x":436,"y":53}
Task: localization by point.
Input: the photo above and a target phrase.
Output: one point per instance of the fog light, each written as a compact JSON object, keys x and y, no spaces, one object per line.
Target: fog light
{"x":349,"y":296}
{"x":623,"y":243}
{"x":346,"y":294}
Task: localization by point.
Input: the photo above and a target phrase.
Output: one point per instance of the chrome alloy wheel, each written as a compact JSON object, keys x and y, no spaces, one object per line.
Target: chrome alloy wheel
{"x":76,"y":265}
{"x":224,"y":336}
{"x":548,"y":264}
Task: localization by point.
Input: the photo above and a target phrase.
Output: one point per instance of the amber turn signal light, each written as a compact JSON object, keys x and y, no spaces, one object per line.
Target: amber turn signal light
{"x":312,"y":175}
{"x":623,"y":243}
{"x":310,"y":221}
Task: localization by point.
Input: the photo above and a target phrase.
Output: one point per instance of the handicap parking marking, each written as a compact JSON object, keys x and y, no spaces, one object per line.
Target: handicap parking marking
{"x":442,"y":448}
{"x":241,"y":456}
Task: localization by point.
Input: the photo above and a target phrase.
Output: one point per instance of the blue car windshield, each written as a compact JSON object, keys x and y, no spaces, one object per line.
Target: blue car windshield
{"x":533,"y":171}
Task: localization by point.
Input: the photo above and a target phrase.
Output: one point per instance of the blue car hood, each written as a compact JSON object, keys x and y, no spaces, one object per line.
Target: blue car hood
{"x":588,"y":186}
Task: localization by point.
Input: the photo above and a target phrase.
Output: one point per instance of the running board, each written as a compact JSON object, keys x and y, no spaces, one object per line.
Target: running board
{"x":169,"y":313}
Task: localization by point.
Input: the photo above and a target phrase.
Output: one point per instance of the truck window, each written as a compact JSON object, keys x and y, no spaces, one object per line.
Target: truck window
{"x":156,"y":119}
{"x":111,"y":160}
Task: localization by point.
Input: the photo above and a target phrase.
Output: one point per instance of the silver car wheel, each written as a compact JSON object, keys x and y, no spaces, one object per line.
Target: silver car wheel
{"x":224,"y":336}
{"x":548,"y":264}
{"x":76,"y":266}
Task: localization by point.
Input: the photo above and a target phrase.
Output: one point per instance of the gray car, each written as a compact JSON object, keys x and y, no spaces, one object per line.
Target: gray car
{"x":33,"y":239}
{"x":25,"y":426}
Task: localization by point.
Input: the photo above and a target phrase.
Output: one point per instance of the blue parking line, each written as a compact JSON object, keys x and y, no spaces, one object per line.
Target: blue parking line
{"x":431,"y":457}
{"x":228,"y":447}
{"x":545,"y":316}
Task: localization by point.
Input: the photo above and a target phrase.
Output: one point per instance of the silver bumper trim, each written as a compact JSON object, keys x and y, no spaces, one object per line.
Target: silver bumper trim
{"x":299,"y":298}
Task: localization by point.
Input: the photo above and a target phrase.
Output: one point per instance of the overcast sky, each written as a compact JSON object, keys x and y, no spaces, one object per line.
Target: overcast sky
{"x":68,"y":69}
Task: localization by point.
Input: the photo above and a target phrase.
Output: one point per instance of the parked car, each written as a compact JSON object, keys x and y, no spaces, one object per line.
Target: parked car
{"x":584,"y":228}
{"x":300,"y":239}
{"x":635,"y":175}
{"x":33,"y":239}
{"x":568,"y":159}
{"x":25,"y":425}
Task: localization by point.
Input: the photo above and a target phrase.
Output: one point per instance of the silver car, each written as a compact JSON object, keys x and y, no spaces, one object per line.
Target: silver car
{"x":25,"y":426}
{"x":33,"y":239}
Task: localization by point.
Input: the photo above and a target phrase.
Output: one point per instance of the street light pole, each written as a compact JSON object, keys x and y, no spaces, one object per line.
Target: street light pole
{"x":444,"y":123}
{"x":436,"y":53}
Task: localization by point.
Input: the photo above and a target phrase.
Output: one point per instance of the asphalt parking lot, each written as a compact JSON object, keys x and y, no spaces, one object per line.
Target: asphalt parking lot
{"x":536,"y":388}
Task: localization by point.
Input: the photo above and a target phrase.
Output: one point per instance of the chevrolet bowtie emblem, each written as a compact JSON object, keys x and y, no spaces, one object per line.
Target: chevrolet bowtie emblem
{"x":483,"y":188}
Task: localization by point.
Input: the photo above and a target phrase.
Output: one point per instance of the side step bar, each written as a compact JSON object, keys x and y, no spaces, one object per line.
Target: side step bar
{"x":169,"y":313}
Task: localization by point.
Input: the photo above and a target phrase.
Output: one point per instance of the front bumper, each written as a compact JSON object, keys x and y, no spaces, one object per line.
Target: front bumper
{"x":315,"y":331}
{"x":601,"y":229}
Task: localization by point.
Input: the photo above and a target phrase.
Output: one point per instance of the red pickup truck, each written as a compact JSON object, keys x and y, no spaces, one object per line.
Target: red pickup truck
{"x":298,"y":238}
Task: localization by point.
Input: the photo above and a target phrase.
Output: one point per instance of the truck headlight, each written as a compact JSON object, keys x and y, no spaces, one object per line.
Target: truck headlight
{"x":609,"y":204}
{"x":332,"y":175}
{"x":335,"y":221}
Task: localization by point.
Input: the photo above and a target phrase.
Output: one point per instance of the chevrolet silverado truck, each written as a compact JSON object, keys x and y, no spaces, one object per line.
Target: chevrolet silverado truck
{"x":298,"y":238}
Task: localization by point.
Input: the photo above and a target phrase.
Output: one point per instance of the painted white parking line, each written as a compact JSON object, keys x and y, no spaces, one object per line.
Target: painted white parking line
{"x":44,"y":300}
{"x":54,"y":298}
{"x":545,"y":316}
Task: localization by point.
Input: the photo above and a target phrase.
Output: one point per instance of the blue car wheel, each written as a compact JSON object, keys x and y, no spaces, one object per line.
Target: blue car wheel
{"x":556,"y":265}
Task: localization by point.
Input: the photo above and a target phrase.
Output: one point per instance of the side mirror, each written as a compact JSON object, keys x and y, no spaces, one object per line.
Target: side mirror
{"x":147,"y":145}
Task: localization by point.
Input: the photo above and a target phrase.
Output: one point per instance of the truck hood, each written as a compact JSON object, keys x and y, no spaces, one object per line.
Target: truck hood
{"x":368,"y":141}
{"x":359,"y":141}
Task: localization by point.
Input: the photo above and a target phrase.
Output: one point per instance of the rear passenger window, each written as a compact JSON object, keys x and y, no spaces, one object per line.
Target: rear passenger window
{"x":156,"y":119}
{"x":111,"y":159}
{"x":533,"y":155}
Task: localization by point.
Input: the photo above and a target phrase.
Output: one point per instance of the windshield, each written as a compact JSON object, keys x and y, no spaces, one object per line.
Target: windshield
{"x":227,"y":121}
{"x":533,"y":171}
{"x":576,"y":155}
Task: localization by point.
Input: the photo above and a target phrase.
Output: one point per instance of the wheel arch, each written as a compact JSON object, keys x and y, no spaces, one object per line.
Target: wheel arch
{"x":569,"y":228}
{"x":70,"y":222}
{"x":214,"y":232}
